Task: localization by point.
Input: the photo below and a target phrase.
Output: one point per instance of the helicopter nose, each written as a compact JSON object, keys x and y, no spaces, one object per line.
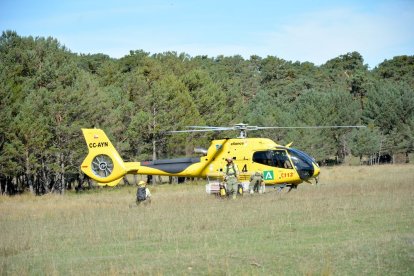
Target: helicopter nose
{"x":316,"y":170}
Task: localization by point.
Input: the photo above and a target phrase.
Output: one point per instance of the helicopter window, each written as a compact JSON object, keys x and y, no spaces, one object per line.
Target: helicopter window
{"x":274,"y":158}
{"x":299,"y":158}
{"x":263,"y":157}
{"x":281,"y":160}
{"x":302,"y":162}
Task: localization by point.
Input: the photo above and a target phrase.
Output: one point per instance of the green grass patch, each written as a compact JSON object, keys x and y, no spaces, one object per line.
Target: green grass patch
{"x":359,"y":220}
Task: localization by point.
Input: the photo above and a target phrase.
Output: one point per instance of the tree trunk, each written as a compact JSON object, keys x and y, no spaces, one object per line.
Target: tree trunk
{"x":27,"y":173}
{"x":154,"y":152}
{"x":2,"y":182}
{"x":45,"y":177}
{"x":154,"y":156}
{"x":62,"y":171}
{"x":379,"y":152}
{"x":59,"y":184}
{"x":19,"y":185}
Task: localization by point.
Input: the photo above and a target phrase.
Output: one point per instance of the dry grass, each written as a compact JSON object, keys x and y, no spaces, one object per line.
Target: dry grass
{"x":359,"y":220}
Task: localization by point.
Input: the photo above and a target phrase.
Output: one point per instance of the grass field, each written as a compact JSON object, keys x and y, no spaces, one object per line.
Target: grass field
{"x":359,"y":220}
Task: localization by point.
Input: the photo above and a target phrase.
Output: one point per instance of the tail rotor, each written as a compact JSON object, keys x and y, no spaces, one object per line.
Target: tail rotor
{"x":102,"y":165}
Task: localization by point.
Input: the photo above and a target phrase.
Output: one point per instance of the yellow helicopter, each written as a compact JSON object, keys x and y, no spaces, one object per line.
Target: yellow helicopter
{"x":281,"y":165}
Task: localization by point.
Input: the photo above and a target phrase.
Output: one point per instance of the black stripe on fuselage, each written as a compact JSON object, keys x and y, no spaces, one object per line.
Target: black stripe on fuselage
{"x":171,"y":165}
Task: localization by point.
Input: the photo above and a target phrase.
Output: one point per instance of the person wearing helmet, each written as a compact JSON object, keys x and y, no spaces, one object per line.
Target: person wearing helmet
{"x":143,"y":193}
{"x":231,"y":172}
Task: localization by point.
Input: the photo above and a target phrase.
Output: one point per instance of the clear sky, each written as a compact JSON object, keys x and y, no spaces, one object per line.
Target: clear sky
{"x":313,"y":30}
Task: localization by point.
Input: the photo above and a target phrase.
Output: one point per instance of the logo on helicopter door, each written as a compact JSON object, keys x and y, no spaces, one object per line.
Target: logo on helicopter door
{"x":268,"y":175}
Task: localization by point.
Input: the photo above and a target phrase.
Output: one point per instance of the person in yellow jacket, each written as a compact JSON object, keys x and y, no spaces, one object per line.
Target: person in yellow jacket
{"x":231,"y":172}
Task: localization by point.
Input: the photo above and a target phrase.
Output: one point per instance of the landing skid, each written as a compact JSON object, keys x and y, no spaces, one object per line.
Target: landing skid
{"x":282,"y":186}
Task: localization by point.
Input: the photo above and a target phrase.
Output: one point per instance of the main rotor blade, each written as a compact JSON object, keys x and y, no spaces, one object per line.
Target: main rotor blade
{"x":247,"y":127}
{"x":298,"y":127}
{"x":198,"y":130}
{"x":244,"y":127}
{"x":210,"y":127}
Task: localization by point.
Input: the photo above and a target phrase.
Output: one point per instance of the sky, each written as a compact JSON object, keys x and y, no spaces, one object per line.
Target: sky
{"x":306,"y":31}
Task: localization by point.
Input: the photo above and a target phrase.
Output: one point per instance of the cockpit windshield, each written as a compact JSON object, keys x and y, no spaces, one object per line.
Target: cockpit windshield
{"x":302,"y":162}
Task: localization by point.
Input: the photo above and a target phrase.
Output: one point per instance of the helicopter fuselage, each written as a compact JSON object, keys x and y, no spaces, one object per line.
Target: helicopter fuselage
{"x":279,"y":164}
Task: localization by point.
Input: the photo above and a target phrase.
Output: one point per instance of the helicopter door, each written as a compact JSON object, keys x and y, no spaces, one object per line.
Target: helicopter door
{"x":282,"y":161}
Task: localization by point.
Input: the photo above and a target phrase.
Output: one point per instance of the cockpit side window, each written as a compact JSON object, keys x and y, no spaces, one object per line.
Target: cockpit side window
{"x":281,"y":159}
{"x":263,"y":157}
{"x":274,"y":158}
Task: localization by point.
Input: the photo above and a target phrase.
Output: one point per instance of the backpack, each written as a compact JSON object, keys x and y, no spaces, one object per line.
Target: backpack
{"x":141,"y":194}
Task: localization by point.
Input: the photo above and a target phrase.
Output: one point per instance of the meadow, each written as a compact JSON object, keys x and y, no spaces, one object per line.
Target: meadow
{"x":357,"y":220}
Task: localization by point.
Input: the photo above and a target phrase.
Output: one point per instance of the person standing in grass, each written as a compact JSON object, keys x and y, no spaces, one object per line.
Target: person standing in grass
{"x":143,"y":193}
{"x":231,"y":172}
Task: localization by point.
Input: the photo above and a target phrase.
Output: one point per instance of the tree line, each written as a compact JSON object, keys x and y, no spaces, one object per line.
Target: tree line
{"x":49,"y":93}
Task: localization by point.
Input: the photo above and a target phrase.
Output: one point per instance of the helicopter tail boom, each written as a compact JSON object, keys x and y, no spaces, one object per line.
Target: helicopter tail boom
{"x":103,"y":163}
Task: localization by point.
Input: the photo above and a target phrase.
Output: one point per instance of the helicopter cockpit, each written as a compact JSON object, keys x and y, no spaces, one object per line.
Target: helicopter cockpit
{"x":284,"y":157}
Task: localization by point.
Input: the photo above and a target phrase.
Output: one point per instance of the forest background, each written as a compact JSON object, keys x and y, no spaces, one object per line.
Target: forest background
{"x":49,"y":93}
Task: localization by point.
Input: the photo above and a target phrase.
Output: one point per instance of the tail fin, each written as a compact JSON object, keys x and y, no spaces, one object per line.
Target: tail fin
{"x":103,"y":163}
